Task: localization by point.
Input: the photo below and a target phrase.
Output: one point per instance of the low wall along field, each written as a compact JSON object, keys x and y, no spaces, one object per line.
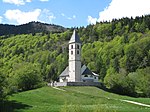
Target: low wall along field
{"x":57,"y":84}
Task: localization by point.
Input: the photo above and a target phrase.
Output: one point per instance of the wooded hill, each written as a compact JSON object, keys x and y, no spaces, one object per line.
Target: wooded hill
{"x":119,"y":51}
{"x":32,"y":27}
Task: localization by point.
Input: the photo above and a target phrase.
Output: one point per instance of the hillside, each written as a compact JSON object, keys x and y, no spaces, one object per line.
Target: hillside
{"x":32,"y":27}
{"x":72,"y":99}
{"x":119,"y":51}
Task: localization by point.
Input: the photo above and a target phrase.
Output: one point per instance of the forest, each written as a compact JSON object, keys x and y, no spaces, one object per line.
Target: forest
{"x":119,"y":51}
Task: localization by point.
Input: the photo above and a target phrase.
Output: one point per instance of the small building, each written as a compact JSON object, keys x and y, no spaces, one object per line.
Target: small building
{"x":74,"y":72}
{"x":86,"y":75}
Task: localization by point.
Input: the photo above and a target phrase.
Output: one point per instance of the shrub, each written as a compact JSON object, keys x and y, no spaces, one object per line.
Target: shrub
{"x":120,"y":84}
{"x":27,"y":77}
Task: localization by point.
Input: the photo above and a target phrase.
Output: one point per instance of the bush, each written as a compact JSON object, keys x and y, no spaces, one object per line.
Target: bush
{"x":120,"y":84}
{"x":27,"y":77}
{"x":141,"y":79}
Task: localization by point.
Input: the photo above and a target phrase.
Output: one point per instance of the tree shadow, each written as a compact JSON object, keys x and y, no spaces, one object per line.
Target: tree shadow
{"x":11,"y":106}
{"x":134,"y":95}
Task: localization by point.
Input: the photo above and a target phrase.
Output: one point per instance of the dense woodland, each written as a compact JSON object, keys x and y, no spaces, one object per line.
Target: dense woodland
{"x":119,"y":51}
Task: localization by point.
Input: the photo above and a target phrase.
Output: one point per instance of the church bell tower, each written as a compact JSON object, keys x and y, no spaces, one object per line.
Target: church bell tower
{"x":74,"y":58}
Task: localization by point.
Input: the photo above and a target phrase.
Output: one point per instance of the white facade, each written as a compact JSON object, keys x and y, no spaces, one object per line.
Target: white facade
{"x":87,"y":75}
{"x":63,"y":79}
{"x":89,"y":78}
{"x":74,"y":62}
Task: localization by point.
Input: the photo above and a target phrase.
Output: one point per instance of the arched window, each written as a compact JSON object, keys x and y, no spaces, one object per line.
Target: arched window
{"x":86,"y":75}
{"x":77,"y":46}
{"x":71,"y":46}
{"x":77,"y":51}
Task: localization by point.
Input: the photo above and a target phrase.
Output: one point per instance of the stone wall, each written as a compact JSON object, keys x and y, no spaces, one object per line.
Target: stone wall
{"x":57,"y":84}
{"x":97,"y":84}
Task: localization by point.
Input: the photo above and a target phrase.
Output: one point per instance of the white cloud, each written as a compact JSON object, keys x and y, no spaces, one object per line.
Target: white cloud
{"x":47,"y":16}
{"x":28,"y":0}
{"x":17,"y":2}
{"x":91,"y":20}
{"x":62,"y":14}
{"x":70,"y":18}
{"x":124,"y":8}
{"x":74,"y":16}
{"x":1,"y":19}
{"x":44,"y":0}
{"x":51,"y":17}
{"x":22,"y":17}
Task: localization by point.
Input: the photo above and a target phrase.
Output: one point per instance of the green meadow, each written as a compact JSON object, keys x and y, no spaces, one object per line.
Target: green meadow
{"x":71,"y":99}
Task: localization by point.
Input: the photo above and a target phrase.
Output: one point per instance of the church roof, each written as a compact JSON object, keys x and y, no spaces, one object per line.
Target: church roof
{"x":74,"y":38}
{"x":65,"y":72}
{"x":95,"y":74}
{"x":84,"y":71}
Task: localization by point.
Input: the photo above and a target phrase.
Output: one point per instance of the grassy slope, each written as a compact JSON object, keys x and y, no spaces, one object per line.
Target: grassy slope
{"x":86,"y":99}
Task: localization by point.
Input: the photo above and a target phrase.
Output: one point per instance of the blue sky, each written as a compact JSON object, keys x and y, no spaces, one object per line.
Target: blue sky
{"x":70,"y":13}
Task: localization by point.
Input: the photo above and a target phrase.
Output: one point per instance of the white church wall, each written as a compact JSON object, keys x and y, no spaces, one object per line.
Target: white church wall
{"x":60,"y":80}
{"x":96,"y":79}
{"x":71,"y":71}
{"x":74,"y":71}
{"x":78,"y":71}
{"x":74,"y":62}
{"x":63,"y":79}
{"x":74,"y":53}
{"x":89,"y":77}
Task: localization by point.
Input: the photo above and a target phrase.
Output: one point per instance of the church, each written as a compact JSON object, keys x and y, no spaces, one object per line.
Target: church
{"x":76,"y":72}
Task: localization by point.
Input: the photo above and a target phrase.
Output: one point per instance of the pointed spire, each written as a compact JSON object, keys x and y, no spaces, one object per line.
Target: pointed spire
{"x":74,"y":38}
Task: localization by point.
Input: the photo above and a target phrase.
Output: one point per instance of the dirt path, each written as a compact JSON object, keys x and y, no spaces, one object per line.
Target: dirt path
{"x":136,"y":103}
{"x":59,"y":89}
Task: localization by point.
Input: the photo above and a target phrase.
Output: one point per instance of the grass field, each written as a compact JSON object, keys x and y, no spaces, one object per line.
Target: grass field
{"x":73,"y":99}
